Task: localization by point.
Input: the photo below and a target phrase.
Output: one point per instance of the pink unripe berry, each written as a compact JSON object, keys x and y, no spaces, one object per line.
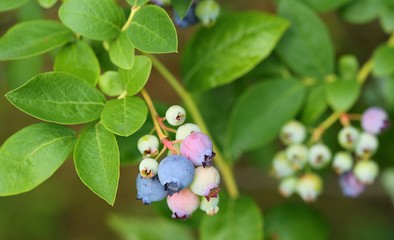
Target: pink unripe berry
{"x":197,"y":147}
{"x":350,"y":185}
{"x":375,"y":120}
{"x":319,"y":156}
{"x":287,"y":186}
{"x":175,"y":115}
{"x":366,"y":171}
{"x":206,"y":182}
{"x":210,"y":207}
{"x":183,"y":203}
{"x":309,"y":186}
{"x":148,"y":167}
{"x":293,"y":132}
{"x":185,"y":130}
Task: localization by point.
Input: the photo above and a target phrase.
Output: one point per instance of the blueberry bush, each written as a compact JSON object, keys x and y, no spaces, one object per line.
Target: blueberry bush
{"x":266,"y":88}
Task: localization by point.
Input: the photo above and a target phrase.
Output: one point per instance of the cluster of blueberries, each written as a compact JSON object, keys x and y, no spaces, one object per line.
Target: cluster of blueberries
{"x":296,"y":164}
{"x":186,"y":176}
{"x":204,"y":11}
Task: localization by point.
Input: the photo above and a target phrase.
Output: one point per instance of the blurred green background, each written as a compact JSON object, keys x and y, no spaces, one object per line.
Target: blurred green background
{"x":63,"y":208}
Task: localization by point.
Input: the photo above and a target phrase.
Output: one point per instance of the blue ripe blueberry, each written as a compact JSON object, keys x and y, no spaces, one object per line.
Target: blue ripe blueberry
{"x":175,"y":172}
{"x":197,"y":147}
{"x":149,"y":190}
{"x":350,"y":185}
{"x":189,"y":19}
{"x":375,"y":120}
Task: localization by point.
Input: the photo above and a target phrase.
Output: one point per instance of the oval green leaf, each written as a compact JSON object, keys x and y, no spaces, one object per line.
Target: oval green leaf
{"x":98,"y":20}
{"x":47,"y":3}
{"x":96,"y":158}
{"x":31,"y":38}
{"x":124,"y":116}
{"x":32,"y":155}
{"x":234,"y":46}
{"x":79,"y":59}
{"x":135,"y":79}
{"x":315,"y":104}
{"x":152,"y":31}
{"x":121,"y":52}
{"x":137,"y":2}
{"x":6,"y":5}
{"x":341,"y":95}
{"x":383,"y":59}
{"x":295,"y":222}
{"x":362,"y":11}
{"x":181,"y":7}
{"x":306,"y":47}
{"x":237,"y":219}
{"x":58,"y":97}
{"x":260,"y":113}
{"x":110,"y":84}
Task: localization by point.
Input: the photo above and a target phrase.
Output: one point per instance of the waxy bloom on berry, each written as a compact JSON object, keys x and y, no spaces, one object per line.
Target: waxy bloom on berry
{"x":350,"y":185}
{"x":366,"y":171}
{"x":297,"y":155}
{"x":281,"y":166}
{"x":288,"y":186}
{"x":206,"y":182}
{"x":148,"y":145}
{"x":293,"y":132}
{"x":176,"y":115}
{"x":309,"y":186}
{"x":185,"y":130}
{"x":149,"y":189}
{"x":348,"y":137}
{"x":148,"y":167}
{"x":343,"y":162}
{"x":210,"y":207}
{"x":319,"y":156}
{"x":366,"y":146}
{"x":375,"y":120}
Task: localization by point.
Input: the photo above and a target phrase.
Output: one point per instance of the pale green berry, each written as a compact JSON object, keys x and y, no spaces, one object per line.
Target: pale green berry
{"x":366,"y":146}
{"x":148,"y":145}
{"x":148,"y":167}
{"x":206,"y":182}
{"x":309,"y":186}
{"x":288,"y":186}
{"x":210,"y":207}
{"x":348,"y":137}
{"x":293,"y":132}
{"x":185,"y":130}
{"x":175,"y":115}
{"x":343,"y":162}
{"x":281,"y":166}
{"x":297,"y":155}
{"x":319,"y":156}
{"x":207,"y":11}
{"x":366,"y":171}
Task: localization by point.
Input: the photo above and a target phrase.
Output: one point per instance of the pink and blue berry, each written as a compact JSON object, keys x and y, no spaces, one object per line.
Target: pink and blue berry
{"x":350,"y":185}
{"x":197,"y":147}
{"x":375,"y":120}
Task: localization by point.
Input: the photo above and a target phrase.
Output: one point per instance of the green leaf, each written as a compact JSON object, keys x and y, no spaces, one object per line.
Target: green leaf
{"x":238,"y":219}
{"x":58,"y":97}
{"x":152,"y":31}
{"x":31,"y":38}
{"x":79,"y":59}
{"x":315,"y":105}
{"x":348,"y":67}
{"x":96,"y":158}
{"x":260,"y":113}
{"x":181,"y":6}
{"x":135,"y":79}
{"x":306,"y":47}
{"x":124,"y":116}
{"x":121,"y":52}
{"x":386,"y":18}
{"x":341,"y":95}
{"x":98,"y":20}
{"x":383,"y":59}
{"x":157,"y":229}
{"x":325,"y":5}
{"x":387,"y":90}
{"x":32,"y":155}
{"x":362,"y":11}
{"x":137,"y":2}
{"x":47,"y":3}
{"x":6,"y":5}
{"x":295,"y":222}
{"x":110,"y":84}
{"x":234,"y":46}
